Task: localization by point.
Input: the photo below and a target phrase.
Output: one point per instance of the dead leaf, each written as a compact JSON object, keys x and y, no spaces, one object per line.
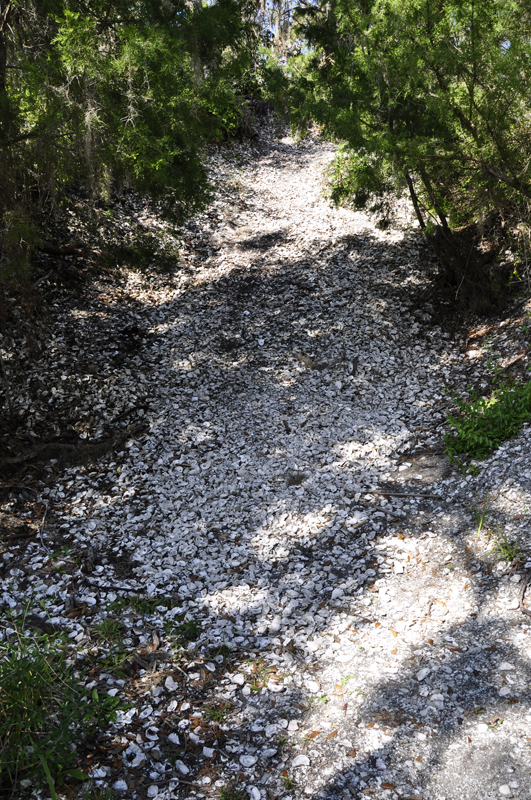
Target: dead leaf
{"x":332,"y":734}
{"x":395,"y":634}
{"x":313,"y":734}
{"x":430,"y":641}
{"x":388,"y":786}
{"x":394,"y":652}
{"x":351,"y":753}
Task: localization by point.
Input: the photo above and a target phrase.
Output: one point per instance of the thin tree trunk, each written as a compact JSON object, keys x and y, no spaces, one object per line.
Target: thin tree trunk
{"x":429,"y":188}
{"x":4,"y":14}
{"x":414,"y":199}
{"x":196,"y":5}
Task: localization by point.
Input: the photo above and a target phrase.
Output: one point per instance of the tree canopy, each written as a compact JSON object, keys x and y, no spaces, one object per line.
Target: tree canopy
{"x":426,"y":95}
{"x":105,"y":92}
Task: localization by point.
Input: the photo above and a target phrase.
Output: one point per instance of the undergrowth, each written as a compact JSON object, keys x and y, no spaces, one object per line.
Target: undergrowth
{"x":506,"y":550}
{"x":43,"y":713}
{"x":484,"y":423}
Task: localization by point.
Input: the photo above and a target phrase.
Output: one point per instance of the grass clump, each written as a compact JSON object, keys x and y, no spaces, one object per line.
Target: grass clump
{"x":506,"y":550}
{"x":228,"y":793}
{"x":44,"y":712}
{"x":289,"y":782}
{"x":485,"y":422}
{"x":219,"y":714}
{"x":185,"y":630}
{"x":141,"y":605}
{"x":481,"y":512}
{"x":109,"y":630}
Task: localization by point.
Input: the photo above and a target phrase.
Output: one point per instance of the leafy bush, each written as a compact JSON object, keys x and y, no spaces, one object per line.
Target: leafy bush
{"x":103,"y":99}
{"x":43,"y":710}
{"x":431,"y":98}
{"x":485,"y":422}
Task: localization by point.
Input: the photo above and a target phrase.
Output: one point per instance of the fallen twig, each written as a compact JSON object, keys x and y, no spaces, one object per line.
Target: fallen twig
{"x":404,"y":494}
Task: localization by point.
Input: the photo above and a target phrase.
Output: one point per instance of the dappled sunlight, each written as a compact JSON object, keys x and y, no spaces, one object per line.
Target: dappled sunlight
{"x":309,"y":562}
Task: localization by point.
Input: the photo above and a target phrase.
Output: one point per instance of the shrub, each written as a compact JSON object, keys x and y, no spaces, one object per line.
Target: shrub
{"x":43,"y":713}
{"x":485,"y":422}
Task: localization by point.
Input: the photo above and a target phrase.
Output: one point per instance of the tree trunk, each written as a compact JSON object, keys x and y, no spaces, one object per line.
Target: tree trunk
{"x":414,"y":199}
{"x":4,"y":15}
{"x":196,"y":5}
{"x":429,"y":188}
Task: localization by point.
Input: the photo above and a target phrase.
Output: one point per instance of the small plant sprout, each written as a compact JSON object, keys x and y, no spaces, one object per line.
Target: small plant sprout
{"x":217,"y":714}
{"x":231,"y":793}
{"x":507,"y":551}
{"x":289,"y":782}
{"x":346,"y":679}
{"x":481,"y":511}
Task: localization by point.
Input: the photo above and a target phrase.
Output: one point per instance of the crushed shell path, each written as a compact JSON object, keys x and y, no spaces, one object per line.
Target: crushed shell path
{"x":357,"y":638}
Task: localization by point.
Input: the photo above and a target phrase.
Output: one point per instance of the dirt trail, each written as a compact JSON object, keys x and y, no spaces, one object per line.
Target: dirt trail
{"x":290,"y":499}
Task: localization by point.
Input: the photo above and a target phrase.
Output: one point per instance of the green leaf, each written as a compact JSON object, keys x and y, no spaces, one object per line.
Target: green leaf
{"x":77,"y":774}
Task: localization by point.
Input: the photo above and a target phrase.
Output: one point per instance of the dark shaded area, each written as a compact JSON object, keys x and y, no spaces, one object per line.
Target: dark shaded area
{"x":263,"y":242}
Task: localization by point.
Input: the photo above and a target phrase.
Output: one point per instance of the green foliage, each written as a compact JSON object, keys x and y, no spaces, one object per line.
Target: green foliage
{"x":223,"y":650}
{"x":485,"y":422}
{"x":43,"y":711}
{"x":217,"y":714}
{"x":116,"y":661}
{"x":289,"y":782}
{"x":429,"y":98}
{"x":232,"y":793}
{"x":480,"y":512}
{"x":142,"y":605}
{"x":185,"y":630}
{"x":119,"y":95}
{"x":109,"y":630}
{"x":360,"y":179}
{"x":507,"y":551}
